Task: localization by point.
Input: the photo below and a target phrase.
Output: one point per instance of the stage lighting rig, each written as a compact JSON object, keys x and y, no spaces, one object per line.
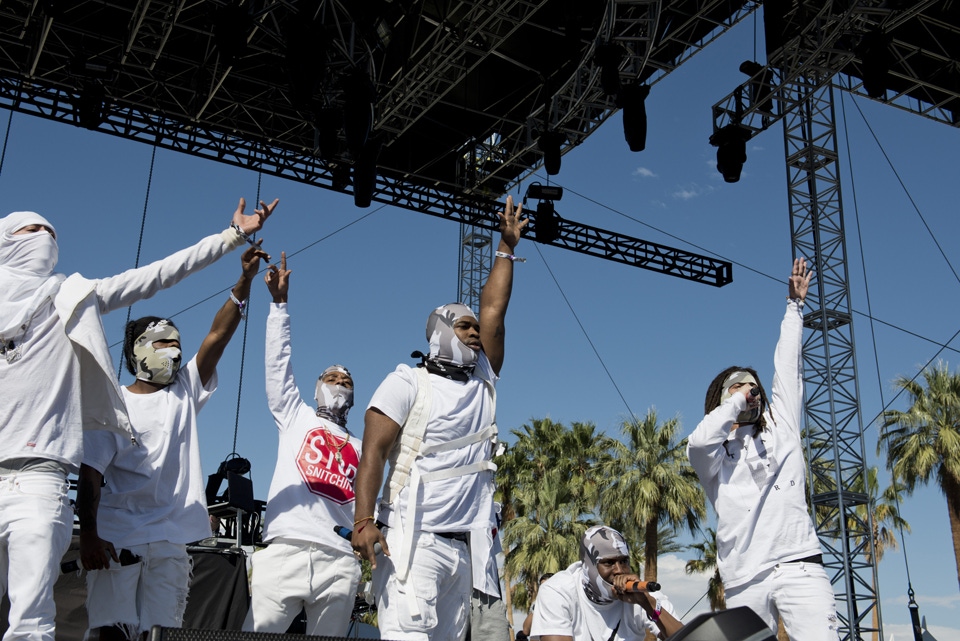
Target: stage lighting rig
{"x":731,"y":144}
{"x":546,"y":222}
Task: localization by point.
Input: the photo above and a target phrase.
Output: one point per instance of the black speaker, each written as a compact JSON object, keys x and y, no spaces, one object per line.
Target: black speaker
{"x":735,"y":624}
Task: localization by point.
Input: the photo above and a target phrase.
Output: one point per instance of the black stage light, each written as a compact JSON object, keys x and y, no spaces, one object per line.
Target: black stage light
{"x":359,"y":94}
{"x":326,"y":124}
{"x":731,"y":144}
{"x":633,"y":100}
{"x":365,"y":173}
{"x":89,"y":106}
{"x":549,"y":143}
{"x":538,"y":191}
{"x":608,"y":56}
{"x":761,"y":85}
{"x":874,"y":51}
{"x":546,"y":227}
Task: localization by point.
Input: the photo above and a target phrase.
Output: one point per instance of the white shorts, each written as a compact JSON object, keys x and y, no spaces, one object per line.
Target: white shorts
{"x":139,"y":596}
{"x":442,"y":583}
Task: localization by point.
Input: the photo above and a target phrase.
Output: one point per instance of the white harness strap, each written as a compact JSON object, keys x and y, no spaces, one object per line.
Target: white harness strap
{"x":405,"y":472}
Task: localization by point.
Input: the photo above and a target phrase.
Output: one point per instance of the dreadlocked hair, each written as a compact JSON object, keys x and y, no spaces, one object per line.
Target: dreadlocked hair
{"x":716,"y":390}
{"x":131,"y":333}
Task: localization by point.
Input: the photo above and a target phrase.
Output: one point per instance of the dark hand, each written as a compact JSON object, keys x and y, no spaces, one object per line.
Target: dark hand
{"x":640,"y":598}
{"x":278,"y":280}
{"x":510,"y":224}
{"x":254,"y":223}
{"x":363,"y":540}
{"x":250,"y":260}
{"x":799,"y":281}
{"x":95,"y":553}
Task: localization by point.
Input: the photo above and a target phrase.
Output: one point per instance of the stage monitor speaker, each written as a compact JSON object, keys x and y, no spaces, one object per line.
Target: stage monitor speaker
{"x":735,"y":624}
{"x":182,"y":634}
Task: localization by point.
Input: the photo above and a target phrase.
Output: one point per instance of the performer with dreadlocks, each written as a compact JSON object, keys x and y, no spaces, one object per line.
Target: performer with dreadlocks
{"x":306,"y":564}
{"x":590,"y":600}
{"x":437,"y":512}
{"x":748,"y":454}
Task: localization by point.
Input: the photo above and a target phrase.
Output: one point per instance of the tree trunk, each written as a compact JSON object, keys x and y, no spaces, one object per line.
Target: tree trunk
{"x":951,"y":488}
{"x":650,"y":549}
{"x":508,"y":600}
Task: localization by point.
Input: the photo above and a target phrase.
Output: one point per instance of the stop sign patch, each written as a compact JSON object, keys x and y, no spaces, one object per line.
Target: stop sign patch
{"x":325,"y":473}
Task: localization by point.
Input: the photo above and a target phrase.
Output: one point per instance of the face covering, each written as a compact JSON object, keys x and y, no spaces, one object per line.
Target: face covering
{"x":27,"y":280}
{"x":751,"y":414}
{"x":449,"y":356}
{"x":334,"y":401}
{"x":158,"y":366}
{"x":599,"y":542}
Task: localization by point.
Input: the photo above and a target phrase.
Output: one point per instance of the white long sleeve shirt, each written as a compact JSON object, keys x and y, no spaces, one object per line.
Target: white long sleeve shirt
{"x":311,"y":490}
{"x":757,"y":484}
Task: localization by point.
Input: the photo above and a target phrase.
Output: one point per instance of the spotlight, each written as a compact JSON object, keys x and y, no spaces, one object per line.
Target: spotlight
{"x":761,"y":85}
{"x":731,"y":144}
{"x":326,"y":124}
{"x":874,"y":52}
{"x":538,"y":191}
{"x":549,"y":143}
{"x":365,"y":174}
{"x":358,"y":98}
{"x":89,"y":106}
{"x":633,"y":101}
{"x":608,"y":56}
{"x":547,"y":224}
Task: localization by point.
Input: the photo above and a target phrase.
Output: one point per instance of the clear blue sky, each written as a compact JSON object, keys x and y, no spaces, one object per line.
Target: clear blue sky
{"x":588,"y":340}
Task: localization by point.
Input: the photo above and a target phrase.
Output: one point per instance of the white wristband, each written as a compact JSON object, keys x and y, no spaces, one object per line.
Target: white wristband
{"x":510,"y":257}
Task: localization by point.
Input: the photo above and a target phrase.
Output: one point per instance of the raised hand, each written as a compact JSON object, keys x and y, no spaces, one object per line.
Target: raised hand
{"x":253,"y":223}
{"x":510,"y":223}
{"x":799,"y":281}
{"x":278,"y":280}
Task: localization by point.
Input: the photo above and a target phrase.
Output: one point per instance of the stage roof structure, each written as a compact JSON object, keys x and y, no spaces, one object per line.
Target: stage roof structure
{"x":447,"y":99}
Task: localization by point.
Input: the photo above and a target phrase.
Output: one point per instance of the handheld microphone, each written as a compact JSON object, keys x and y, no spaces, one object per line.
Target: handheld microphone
{"x":754,"y":391}
{"x":347,"y":533}
{"x":641,"y":586}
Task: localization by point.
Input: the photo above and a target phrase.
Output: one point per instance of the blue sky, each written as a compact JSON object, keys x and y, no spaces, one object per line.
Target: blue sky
{"x":588,"y":340}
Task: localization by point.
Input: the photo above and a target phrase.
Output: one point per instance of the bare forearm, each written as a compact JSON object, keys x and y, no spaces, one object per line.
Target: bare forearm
{"x":88,"y":498}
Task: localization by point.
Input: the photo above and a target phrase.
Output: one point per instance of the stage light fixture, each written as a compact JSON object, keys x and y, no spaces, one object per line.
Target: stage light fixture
{"x":761,"y":85}
{"x":608,"y":56}
{"x":546,"y":228}
{"x":326,"y":125}
{"x":731,"y":144}
{"x":634,"y":108}
{"x":90,"y":105}
{"x":358,"y":102}
{"x":549,"y":143}
{"x":874,"y":52}
{"x":365,"y":173}
{"x":538,"y":191}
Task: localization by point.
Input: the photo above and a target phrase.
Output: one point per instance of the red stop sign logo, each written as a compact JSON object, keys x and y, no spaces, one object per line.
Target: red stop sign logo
{"x":320,"y":468}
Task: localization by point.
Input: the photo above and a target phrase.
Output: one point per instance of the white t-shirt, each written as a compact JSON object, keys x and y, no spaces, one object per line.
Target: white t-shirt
{"x":311,"y":490}
{"x":154,"y":491}
{"x":459,"y":408}
{"x":563,"y":609}
{"x":40,"y":411}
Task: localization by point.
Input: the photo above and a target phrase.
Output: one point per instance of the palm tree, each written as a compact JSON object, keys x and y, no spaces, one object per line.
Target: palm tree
{"x":548,"y":485}
{"x":707,"y":560}
{"x":924,"y":441}
{"x":650,"y":484}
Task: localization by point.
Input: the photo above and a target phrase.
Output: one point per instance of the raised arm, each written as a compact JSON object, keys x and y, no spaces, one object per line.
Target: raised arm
{"x":495,"y":295}
{"x":283,"y":396}
{"x":228,"y":318}
{"x":787,"y":389}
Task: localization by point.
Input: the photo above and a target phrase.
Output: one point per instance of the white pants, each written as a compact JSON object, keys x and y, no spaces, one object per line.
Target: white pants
{"x":441,"y":581}
{"x":137,"y":597}
{"x":800,"y":593}
{"x":36,"y":523}
{"x":289,"y":575}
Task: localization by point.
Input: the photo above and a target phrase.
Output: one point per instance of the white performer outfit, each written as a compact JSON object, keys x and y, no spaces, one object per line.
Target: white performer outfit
{"x":153,"y":504}
{"x":563,"y":609}
{"x":768,"y":553}
{"x":424,"y":588}
{"x":307,"y":565}
{"x":55,"y":355}
{"x":580,"y":603}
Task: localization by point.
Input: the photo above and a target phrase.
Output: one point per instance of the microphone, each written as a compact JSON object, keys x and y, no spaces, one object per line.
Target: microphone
{"x":347,"y":533}
{"x":641,"y":586}
{"x":754,"y":391}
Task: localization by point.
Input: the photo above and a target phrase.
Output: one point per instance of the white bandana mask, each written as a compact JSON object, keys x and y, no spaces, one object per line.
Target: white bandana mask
{"x":334,"y":401}
{"x":157,"y":365}
{"x":751,"y":414}
{"x":444,"y":344}
{"x":599,"y":542}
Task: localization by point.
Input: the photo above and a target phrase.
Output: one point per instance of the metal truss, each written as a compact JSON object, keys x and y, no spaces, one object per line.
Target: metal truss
{"x":476,"y":243}
{"x":835,"y":451}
